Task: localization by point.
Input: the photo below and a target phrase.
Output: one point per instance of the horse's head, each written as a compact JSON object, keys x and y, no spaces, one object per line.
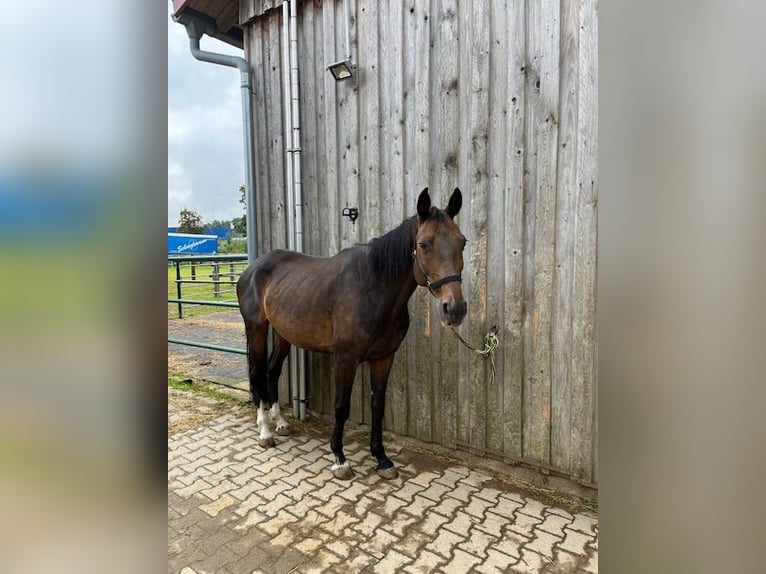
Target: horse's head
{"x":438,"y":256}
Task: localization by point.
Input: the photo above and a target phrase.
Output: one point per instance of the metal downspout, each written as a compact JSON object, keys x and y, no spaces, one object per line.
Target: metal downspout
{"x":297,"y":182}
{"x":195,"y":30}
{"x":292,"y":363}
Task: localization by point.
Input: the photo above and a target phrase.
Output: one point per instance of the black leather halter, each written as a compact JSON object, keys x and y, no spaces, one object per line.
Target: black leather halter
{"x":439,"y":282}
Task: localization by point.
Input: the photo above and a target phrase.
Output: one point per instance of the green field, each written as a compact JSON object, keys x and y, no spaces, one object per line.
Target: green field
{"x":200,"y":290}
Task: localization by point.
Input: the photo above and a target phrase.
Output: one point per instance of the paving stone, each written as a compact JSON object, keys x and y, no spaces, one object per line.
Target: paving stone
{"x":369,"y":525}
{"x":492,"y":524}
{"x":478,"y":543}
{"x":413,"y":542}
{"x":217,"y":491}
{"x":460,"y":563}
{"x":476,"y":479}
{"x":399,"y":524}
{"x":489,"y":494}
{"x":529,"y":563}
{"x":543,"y":543}
{"x":496,"y":563}
{"x":338,"y":524}
{"x":461,"y":523}
{"x":275,"y":525}
{"x":408,"y":491}
{"x":379,"y":543}
{"x":193,"y":488}
{"x":575,"y":542}
{"x":450,"y":478}
{"x":584,"y":523}
{"x":477,"y":507}
{"x":393,"y":561}
{"x":448,"y":506}
{"x":462,"y":492}
{"x":524,"y":524}
{"x":533,"y":508}
{"x":553,"y":524}
{"x":444,"y":543}
{"x":275,"y":506}
{"x":425,"y":563}
{"x":424,"y":479}
{"x":419,"y":506}
{"x":559,"y":512}
{"x":432,"y":523}
{"x":511,"y":544}
{"x":591,"y":566}
{"x":217,"y":505}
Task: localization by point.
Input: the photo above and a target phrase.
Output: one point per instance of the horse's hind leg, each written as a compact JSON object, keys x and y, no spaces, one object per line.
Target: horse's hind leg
{"x":279,"y":351}
{"x":256,"y":333}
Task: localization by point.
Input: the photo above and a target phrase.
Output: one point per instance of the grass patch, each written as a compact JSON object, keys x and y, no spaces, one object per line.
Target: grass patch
{"x":184,"y":383}
{"x":203,"y":291}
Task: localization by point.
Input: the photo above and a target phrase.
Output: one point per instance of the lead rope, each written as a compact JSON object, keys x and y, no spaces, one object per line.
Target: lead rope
{"x":491,"y":342}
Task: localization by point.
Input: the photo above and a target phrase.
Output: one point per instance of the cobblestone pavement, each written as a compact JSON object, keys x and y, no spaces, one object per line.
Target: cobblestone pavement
{"x":235,"y":508}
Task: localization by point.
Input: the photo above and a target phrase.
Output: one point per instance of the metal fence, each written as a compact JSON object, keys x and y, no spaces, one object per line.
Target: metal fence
{"x":220,"y":274}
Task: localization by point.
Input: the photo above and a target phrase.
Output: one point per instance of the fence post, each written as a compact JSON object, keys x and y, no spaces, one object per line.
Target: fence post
{"x":193,"y":271}
{"x":178,"y":288}
{"x":216,"y":281}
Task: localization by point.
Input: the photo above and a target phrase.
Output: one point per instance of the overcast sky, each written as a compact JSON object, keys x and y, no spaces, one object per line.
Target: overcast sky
{"x":205,"y":148}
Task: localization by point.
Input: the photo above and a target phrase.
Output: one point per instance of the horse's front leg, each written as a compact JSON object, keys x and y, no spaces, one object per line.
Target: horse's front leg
{"x":379,"y":371}
{"x":345,"y":368}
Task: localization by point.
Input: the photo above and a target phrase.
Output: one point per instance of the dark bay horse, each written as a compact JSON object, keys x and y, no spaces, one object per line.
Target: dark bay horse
{"x":353,"y":305}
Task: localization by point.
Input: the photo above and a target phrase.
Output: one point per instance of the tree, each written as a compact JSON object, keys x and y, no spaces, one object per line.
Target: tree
{"x":240,"y":223}
{"x":189,"y":222}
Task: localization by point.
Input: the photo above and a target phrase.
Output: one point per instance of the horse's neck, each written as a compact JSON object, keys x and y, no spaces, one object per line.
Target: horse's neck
{"x":401,"y":290}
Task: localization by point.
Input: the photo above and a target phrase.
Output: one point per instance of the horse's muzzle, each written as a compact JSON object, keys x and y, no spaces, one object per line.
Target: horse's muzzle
{"x":453,"y":312}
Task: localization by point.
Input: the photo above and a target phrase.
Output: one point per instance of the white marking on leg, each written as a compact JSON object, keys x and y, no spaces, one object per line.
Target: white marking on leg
{"x":345,"y":465}
{"x":276,"y":414}
{"x":263,"y":422}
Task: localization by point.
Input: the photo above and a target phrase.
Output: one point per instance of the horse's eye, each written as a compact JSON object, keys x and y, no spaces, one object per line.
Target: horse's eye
{"x":424,"y":245}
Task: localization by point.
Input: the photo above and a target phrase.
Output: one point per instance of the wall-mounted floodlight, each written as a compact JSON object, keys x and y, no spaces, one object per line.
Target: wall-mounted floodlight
{"x":342,"y":70}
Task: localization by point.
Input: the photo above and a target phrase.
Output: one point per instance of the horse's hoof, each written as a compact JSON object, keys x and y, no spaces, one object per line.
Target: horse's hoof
{"x":267,"y":442}
{"x":389,"y":473}
{"x":283,"y":431}
{"x":342,"y":471}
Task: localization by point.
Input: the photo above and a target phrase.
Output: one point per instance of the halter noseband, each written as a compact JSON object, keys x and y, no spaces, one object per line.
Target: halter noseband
{"x":438,"y":283}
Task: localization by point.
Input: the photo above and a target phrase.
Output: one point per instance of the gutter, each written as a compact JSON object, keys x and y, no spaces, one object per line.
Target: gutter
{"x":195,"y":28}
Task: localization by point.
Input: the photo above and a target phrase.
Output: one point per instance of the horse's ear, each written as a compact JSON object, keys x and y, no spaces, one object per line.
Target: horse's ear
{"x":455,"y":203}
{"x":424,"y":204}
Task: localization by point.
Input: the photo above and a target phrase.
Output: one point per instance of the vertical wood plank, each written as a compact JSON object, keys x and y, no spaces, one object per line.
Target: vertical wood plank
{"x":273,"y":74}
{"x":419,"y":171}
{"x":561,"y":321}
{"x":255,"y":38}
{"x":391,"y":34}
{"x":462,"y":412}
{"x":496,"y":171}
{"x":476,"y":273}
{"x":445,"y":137}
{"x":369,"y":137}
{"x":512,"y":334}
{"x":583,"y":373}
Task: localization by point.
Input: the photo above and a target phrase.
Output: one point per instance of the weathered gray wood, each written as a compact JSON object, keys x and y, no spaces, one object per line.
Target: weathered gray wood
{"x":512,"y":334}
{"x":453,"y":101}
{"x":250,"y":9}
{"x":561,"y":322}
{"x":583,"y":370}
{"x":395,"y":208}
{"x":447,"y":137}
{"x":496,"y":229}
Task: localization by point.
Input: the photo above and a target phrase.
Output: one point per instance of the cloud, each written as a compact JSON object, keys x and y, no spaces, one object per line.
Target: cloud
{"x":205,"y":146}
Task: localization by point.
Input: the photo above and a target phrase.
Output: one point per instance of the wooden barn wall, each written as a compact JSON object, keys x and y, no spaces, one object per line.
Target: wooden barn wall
{"x":496,"y":97}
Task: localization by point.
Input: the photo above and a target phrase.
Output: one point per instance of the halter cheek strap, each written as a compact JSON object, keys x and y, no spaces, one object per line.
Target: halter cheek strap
{"x":438,"y":283}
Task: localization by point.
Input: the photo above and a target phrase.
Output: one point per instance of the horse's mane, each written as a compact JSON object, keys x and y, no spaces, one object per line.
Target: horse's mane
{"x":391,"y":254}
